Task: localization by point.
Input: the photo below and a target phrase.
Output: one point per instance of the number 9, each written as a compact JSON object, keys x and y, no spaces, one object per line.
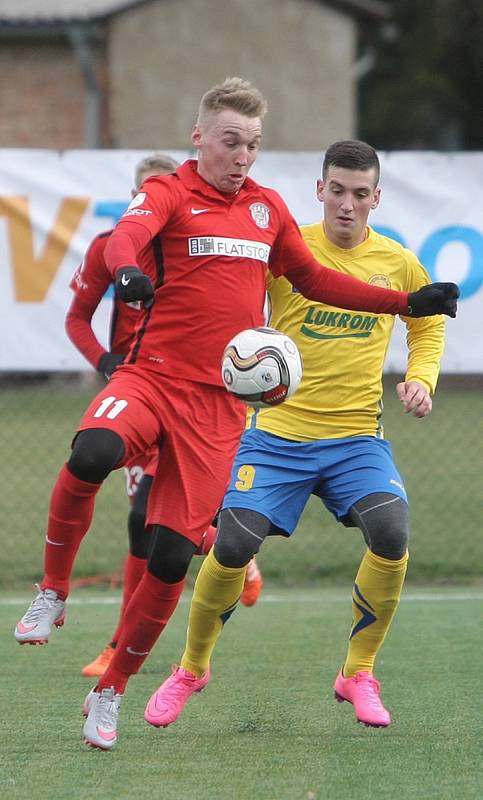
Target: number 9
{"x":246,"y":477}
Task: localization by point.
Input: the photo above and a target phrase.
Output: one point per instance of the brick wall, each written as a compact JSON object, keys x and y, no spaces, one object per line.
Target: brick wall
{"x":42,"y":97}
{"x":159,"y":58}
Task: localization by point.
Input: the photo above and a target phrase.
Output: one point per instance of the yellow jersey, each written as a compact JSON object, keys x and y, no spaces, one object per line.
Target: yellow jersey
{"x":343,"y":351}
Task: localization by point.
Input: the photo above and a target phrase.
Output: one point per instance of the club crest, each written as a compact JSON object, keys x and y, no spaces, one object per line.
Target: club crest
{"x":380,"y":280}
{"x":260,"y":214}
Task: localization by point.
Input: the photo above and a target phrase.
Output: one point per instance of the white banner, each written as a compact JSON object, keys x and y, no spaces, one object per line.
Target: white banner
{"x":52,"y":204}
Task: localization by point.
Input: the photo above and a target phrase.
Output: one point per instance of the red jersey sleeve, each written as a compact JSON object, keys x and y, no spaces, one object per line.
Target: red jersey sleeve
{"x":291,"y":257}
{"x":124,"y":247}
{"x":89,"y":284}
{"x":145,"y":216}
{"x":79,"y":330}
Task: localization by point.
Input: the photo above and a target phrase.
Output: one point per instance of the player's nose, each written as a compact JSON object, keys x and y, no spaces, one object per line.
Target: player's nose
{"x":242,"y":156}
{"x":347,"y":203}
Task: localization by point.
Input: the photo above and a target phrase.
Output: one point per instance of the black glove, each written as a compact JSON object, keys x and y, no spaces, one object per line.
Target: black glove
{"x":132,"y":284}
{"x":435,"y":298}
{"x":108,"y":363}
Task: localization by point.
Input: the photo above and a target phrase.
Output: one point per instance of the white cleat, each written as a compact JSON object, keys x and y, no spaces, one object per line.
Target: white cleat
{"x":36,"y":624}
{"x":102,"y":711}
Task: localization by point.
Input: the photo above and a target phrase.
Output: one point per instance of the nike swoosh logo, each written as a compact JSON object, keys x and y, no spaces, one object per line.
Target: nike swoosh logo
{"x":57,"y":544}
{"x":199,"y":210}
{"x":108,"y":736}
{"x":135,"y":652}
{"x":125,"y":280}
{"x":21,"y":628}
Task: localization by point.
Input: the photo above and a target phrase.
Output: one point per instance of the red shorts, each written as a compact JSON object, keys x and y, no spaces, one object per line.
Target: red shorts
{"x":139,"y":466}
{"x":198,"y":427}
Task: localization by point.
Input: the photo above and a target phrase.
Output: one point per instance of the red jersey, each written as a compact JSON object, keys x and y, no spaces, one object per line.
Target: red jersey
{"x":89,"y":283}
{"x":216,"y":251}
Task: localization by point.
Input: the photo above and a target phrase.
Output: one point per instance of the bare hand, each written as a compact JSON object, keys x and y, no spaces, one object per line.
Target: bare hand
{"x":415,"y":398}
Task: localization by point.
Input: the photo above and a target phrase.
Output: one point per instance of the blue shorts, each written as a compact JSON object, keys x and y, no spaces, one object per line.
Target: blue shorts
{"x":276,"y":476}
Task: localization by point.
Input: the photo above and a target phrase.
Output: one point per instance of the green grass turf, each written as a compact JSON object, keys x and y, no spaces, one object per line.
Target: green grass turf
{"x":267,"y":726}
{"x":439,"y":458}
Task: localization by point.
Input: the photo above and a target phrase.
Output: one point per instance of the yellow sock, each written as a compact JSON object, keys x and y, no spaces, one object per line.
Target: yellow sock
{"x":216,"y":593}
{"x":375,"y":598}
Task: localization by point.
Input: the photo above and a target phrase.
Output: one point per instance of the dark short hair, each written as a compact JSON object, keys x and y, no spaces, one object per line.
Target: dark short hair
{"x":351,"y":154}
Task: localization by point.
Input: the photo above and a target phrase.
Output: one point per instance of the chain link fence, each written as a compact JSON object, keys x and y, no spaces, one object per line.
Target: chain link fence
{"x":440,"y":458}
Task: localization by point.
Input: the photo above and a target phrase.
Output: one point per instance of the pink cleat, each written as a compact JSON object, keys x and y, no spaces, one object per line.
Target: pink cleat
{"x":167,"y":703}
{"x":362,"y":690}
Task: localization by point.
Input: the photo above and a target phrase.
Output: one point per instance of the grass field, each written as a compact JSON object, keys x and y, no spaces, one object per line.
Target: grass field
{"x":267,"y":726}
{"x":437,"y":457}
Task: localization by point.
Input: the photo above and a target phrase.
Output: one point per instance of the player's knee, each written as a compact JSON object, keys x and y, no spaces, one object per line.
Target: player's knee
{"x":241,"y":532}
{"x":384,"y":521}
{"x":390,"y":544}
{"x":139,"y":536}
{"x":95,"y":453}
{"x":170,"y":554}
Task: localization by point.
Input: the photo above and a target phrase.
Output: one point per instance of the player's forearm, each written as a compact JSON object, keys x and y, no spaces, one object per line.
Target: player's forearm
{"x":125,"y":245}
{"x":82,"y":336}
{"x":337,"y":289}
{"x":425,"y":348}
{"x":425,"y":340}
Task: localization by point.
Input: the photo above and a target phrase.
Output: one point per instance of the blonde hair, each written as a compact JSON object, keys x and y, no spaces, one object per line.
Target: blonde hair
{"x":235,"y":94}
{"x":159,"y":163}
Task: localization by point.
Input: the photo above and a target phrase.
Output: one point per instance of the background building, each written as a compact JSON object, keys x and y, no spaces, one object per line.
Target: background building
{"x":130,"y":73}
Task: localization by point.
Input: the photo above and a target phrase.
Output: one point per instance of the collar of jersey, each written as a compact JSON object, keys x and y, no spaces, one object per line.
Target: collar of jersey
{"x":190,"y":177}
{"x":342,"y":252}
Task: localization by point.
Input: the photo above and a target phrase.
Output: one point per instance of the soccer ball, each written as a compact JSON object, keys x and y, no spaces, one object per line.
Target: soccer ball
{"x":262,"y":367}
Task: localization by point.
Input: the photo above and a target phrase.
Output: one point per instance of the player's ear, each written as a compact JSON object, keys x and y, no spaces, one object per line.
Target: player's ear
{"x":377,"y":197}
{"x":195,"y":136}
{"x":320,"y":190}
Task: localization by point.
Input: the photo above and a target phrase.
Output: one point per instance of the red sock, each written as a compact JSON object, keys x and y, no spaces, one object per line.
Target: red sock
{"x":70,"y":514}
{"x":146,"y":616}
{"x":133,"y":572}
{"x":209,"y":537}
